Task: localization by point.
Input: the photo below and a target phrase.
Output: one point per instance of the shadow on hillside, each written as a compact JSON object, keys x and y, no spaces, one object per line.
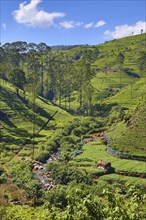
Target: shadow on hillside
{"x":24,"y":100}
{"x":43,"y":100}
{"x":17,"y":105}
{"x":38,"y":110}
{"x":22,"y":132}
{"x":18,"y":132}
{"x":8,"y":139}
{"x":131,"y":73}
{"x":104,"y":109}
{"x":83,"y":160}
{"x":42,"y":112}
{"x":5,"y":119}
{"x":20,"y":141}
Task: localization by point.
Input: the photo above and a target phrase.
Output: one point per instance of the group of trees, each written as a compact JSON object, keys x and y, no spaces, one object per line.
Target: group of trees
{"x":53,"y":75}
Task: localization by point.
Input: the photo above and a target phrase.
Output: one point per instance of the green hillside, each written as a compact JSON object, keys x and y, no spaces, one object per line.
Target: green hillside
{"x":60,"y":112}
{"x":116,"y":93}
{"x":17,"y":121}
{"x":129,"y":135}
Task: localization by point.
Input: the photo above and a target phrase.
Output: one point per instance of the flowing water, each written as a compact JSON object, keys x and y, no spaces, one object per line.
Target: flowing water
{"x":42,"y":175}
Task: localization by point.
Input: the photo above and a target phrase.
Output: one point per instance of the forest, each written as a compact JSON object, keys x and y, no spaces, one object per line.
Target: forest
{"x":73,"y":131}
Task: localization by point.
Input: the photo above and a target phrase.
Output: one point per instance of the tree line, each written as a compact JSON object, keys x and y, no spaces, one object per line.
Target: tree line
{"x":55,"y":75}
{"x":37,"y":69}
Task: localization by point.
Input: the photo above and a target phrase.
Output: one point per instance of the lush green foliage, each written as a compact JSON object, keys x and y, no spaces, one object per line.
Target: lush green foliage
{"x":130,"y":137}
{"x":82,"y":206}
{"x":23,"y":177}
{"x":64,"y":174}
{"x":94,"y":88}
{"x":95,"y":151}
{"x":3,"y":175}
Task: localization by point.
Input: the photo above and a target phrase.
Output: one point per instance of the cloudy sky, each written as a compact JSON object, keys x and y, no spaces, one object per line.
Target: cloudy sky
{"x":70,"y":22}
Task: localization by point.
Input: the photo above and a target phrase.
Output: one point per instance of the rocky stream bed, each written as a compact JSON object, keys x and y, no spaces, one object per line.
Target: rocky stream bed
{"x":42,"y":175}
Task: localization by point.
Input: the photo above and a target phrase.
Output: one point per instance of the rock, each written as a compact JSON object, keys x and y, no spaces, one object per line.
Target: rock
{"x":22,"y":158}
{"x":36,"y":167}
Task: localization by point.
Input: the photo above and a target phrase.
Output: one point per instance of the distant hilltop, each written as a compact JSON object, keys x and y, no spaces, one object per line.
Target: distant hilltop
{"x":67,"y":47}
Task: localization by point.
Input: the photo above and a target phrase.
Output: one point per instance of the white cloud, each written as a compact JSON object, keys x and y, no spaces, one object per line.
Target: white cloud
{"x":30,"y":15}
{"x":99,"y":24}
{"x":4,"y":26}
{"x":125,"y":30}
{"x":89,"y":25}
{"x":70,"y":24}
{"x":79,"y":23}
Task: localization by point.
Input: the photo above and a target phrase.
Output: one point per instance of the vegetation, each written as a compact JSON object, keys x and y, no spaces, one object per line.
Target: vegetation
{"x":54,"y":101}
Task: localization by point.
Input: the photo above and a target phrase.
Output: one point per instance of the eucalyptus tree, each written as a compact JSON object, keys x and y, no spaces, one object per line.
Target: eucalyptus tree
{"x":14,"y":55}
{"x":79,"y":77}
{"x":49,"y":77}
{"x":33,"y":86}
{"x":69,"y":82}
{"x":59,"y":73}
{"x":83,"y":76}
{"x":18,"y":79}
{"x":3,"y":64}
{"x":43,"y":50}
{"x":87,"y":87}
{"x":56,"y":76}
{"x":12,"y":52}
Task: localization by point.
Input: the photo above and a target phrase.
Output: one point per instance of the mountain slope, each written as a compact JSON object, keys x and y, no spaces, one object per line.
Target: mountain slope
{"x":17,"y":119}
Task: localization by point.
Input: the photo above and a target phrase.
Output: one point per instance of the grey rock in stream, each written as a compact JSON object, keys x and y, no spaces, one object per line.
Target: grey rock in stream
{"x":43,"y":176}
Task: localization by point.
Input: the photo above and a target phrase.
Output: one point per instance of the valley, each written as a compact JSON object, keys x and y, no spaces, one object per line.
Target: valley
{"x":66,"y":114}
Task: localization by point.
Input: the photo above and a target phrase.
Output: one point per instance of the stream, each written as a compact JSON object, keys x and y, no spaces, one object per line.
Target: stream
{"x":42,"y":175}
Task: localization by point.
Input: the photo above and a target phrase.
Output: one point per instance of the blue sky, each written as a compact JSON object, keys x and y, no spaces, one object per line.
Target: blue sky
{"x":70,"y":22}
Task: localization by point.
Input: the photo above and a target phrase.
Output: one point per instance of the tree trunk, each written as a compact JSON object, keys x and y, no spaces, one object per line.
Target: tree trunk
{"x":80,"y":97}
{"x":33,"y":128}
{"x":17,"y":90}
{"x":65,"y":101}
{"x":69,"y":100}
{"x":60,"y":98}
{"x":42,"y":81}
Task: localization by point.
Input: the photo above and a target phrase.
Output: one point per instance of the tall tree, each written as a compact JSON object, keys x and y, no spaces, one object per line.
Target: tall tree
{"x":68,"y":83}
{"x":43,"y":51}
{"x":83,"y":76}
{"x":33,"y":87}
{"x":18,"y":79}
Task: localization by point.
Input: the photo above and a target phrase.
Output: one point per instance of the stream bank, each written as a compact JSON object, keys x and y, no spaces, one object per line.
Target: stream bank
{"x":42,"y":175}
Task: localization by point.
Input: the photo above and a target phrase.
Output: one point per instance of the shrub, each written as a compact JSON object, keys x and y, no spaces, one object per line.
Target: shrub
{"x":79,"y":130}
{"x":43,"y":156}
{"x":57,"y":197}
{"x":63,"y":174}
{"x":23,"y":177}
{"x":3,"y":178}
{"x":1,"y":170}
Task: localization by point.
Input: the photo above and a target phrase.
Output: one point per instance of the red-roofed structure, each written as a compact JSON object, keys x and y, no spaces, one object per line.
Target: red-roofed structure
{"x":104,"y":165}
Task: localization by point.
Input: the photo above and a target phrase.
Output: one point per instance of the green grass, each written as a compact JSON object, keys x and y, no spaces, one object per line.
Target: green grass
{"x":108,"y":88}
{"x":130,"y":96}
{"x":114,"y":178}
{"x":95,"y":151}
{"x":130,"y":137}
{"x":110,"y":95}
{"x":16,"y":120}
